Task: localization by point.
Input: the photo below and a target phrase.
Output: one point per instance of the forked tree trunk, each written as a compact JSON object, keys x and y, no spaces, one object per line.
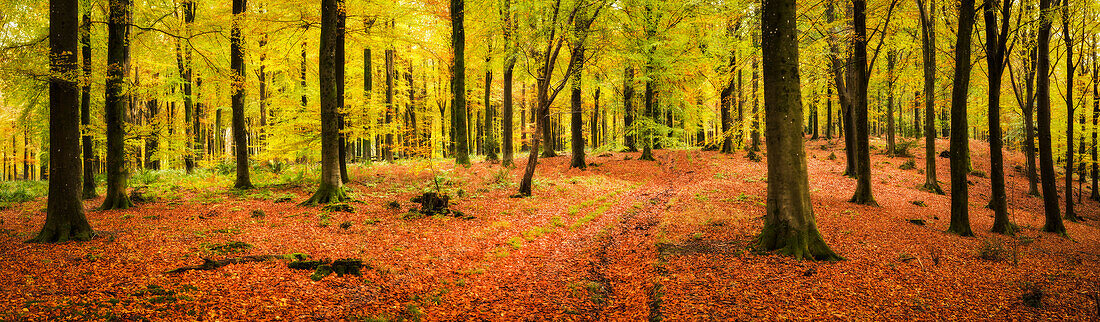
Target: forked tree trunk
{"x":996,"y":53}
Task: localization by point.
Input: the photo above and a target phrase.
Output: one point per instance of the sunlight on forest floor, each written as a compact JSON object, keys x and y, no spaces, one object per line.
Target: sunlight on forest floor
{"x":624,"y":240}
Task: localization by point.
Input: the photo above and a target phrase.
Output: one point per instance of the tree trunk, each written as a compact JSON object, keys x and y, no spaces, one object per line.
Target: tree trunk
{"x":576,"y":122}
{"x":594,"y":136}
{"x":891,"y":142}
{"x":117,"y":95}
{"x":755,"y":134}
{"x":458,"y":82}
{"x":995,"y":55}
{"x":490,"y":115}
{"x":64,"y":211}
{"x":960,"y":149}
{"x":843,"y":97}
{"x":341,"y":112}
{"x":789,"y":225}
{"x":1071,"y":215}
{"x":85,"y":107}
{"x":387,"y":148}
{"x":928,"y":46}
{"x":509,"y":64}
{"x":828,"y":112}
{"x":628,"y":110}
{"x":1042,"y":92}
{"x":190,"y":116}
{"x":859,"y":75}
{"x":240,"y":136}
{"x":368,"y":93}
{"x":331,"y":188}
{"x":1095,"y":122}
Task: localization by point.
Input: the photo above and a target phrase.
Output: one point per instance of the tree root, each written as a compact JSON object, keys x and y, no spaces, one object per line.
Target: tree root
{"x":326,"y":194}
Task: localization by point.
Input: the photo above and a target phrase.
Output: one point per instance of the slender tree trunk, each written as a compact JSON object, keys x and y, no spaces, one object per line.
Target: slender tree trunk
{"x":1095,"y":122}
{"x":368,"y":93}
{"x":458,"y":81}
{"x":331,"y":188}
{"x":387,"y":149}
{"x":995,"y":55}
{"x":960,"y":149}
{"x":509,"y":64}
{"x":1042,"y":92}
{"x":88,"y":150}
{"x":891,"y":142}
{"x":813,"y":117}
{"x":576,"y":122}
{"x":789,"y":225}
{"x":1071,"y":215}
{"x":594,"y":136}
{"x":240,"y":136}
{"x":183,"y":58}
{"x":828,"y":112}
{"x":490,"y":115}
{"x":117,"y":95}
{"x":262,"y":79}
{"x":628,"y":110}
{"x":341,"y":112}
{"x":928,"y":46}
{"x":859,"y":75}
{"x":64,"y":211}
{"x":755,"y":134}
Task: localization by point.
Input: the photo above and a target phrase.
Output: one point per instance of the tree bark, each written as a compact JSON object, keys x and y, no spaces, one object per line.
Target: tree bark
{"x":85,"y":107}
{"x":859,"y":75}
{"x":576,"y":121}
{"x":331,"y":188}
{"x":891,"y":142}
{"x":65,"y":218}
{"x":1053,"y":221}
{"x":236,"y":62}
{"x":341,"y":112}
{"x":387,"y":148}
{"x":628,"y":110}
{"x":117,"y":95}
{"x":789,"y":225}
{"x":995,"y":59}
{"x":458,"y":82}
{"x":960,"y":148}
{"x":1071,"y":215}
{"x":509,"y":65}
{"x":1095,"y":122}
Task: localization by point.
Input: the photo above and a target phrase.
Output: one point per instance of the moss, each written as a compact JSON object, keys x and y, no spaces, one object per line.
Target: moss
{"x":321,"y":272}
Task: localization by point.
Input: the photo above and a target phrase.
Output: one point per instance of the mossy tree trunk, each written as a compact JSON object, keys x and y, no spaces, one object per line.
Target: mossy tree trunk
{"x":331,"y":189}
{"x":64,"y":210}
{"x":789,"y":225}
{"x":236,"y":62}
{"x":458,"y":83}
{"x":117,"y":96}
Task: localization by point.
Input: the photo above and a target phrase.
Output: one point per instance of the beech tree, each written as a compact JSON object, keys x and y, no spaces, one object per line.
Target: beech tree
{"x":331,"y":188}
{"x":996,"y":52}
{"x":64,"y":210}
{"x":117,"y":97}
{"x":928,"y":46}
{"x":789,"y":225}
{"x":236,"y":62}
{"x":960,"y":139}
{"x":1053,"y":221}
{"x":87,"y":151}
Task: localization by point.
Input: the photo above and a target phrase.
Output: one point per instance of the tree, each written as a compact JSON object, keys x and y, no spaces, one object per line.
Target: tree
{"x":1071,"y":215}
{"x":837,"y":67}
{"x":576,"y":122}
{"x":236,"y":62}
{"x":458,"y":82}
{"x":64,"y":211}
{"x":628,"y":110}
{"x":1042,"y":92}
{"x":341,"y":108}
{"x":509,"y":65}
{"x":928,"y":46}
{"x":331,"y":188}
{"x":1095,"y":122}
{"x":1027,"y":105}
{"x":891,"y":142}
{"x":996,"y":51}
{"x":85,"y":105}
{"x":183,"y":63}
{"x":789,"y":225}
{"x":859,"y":73}
{"x":391,"y":75}
{"x":490,"y":111}
{"x":960,"y":145}
{"x":117,"y":96}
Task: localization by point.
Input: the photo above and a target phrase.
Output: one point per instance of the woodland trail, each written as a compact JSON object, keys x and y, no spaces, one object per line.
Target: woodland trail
{"x":623,"y":240}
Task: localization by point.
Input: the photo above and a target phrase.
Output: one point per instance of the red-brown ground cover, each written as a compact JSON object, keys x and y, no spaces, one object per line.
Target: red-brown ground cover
{"x":623,"y":240}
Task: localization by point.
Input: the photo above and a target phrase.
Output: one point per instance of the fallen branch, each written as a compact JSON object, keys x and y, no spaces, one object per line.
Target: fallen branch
{"x":209,"y":264}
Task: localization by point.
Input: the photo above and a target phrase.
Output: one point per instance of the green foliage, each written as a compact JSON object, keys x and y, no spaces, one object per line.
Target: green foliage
{"x":227,"y":248}
{"x":13,"y":192}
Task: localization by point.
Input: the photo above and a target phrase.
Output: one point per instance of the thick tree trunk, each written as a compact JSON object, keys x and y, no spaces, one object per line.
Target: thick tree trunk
{"x":117,"y":95}
{"x":331,"y":188}
{"x":64,"y":211}
{"x":1042,"y":92}
{"x":859,"y":75}
{"x":960,"y":148}
{"x":85,"y":107}
{"x":789,"y":225}
{"x":458,"y":82}
{"x":236,"y":62}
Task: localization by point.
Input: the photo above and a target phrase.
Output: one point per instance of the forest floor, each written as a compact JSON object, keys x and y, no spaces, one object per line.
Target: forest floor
{"x":622,"y":240}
